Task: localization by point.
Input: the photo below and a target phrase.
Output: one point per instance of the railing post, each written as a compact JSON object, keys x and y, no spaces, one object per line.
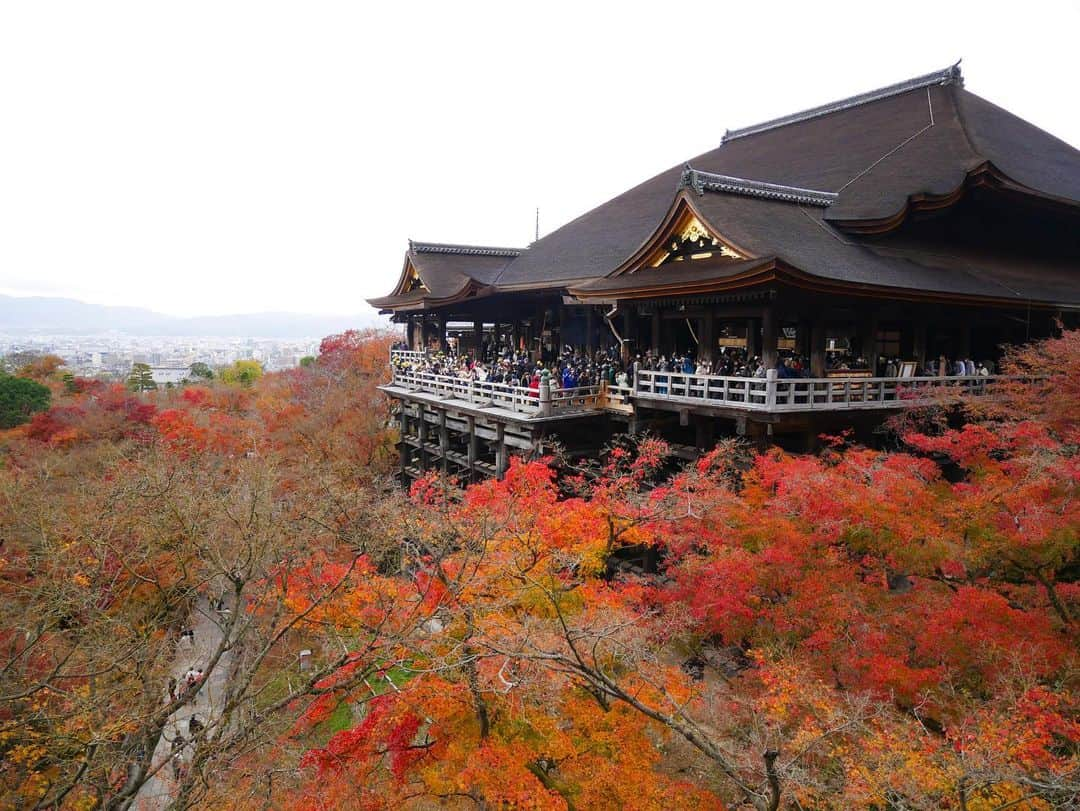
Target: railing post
{"x":770,"y":390}
{"x":545,"y":394}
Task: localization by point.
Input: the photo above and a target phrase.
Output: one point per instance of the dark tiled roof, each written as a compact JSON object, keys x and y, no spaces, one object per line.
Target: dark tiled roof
{"x":866,"y":158}
{"x":950,"y":75}
{"x":448,"y":272}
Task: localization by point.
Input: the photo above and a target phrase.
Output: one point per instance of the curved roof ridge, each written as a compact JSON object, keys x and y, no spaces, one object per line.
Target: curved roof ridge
{"x":950,"y":75}
{"x":702,"y":182}
{"x":463,"y":250}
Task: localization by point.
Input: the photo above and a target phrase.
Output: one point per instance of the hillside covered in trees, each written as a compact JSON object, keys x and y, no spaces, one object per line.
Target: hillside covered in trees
{"x":887,"y":628}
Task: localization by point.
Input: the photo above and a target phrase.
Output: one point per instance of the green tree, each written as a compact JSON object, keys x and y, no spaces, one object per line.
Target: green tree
{"x":141,"y":379}
{"x":243,"y":372}
{"x":307,"y":360}
{"x":19,"y":399}
{"x":201,"y":371}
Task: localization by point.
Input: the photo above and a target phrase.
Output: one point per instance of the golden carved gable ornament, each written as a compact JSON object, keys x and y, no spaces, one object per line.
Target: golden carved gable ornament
{"x":413,"y":281}
{"x":690,"y":240}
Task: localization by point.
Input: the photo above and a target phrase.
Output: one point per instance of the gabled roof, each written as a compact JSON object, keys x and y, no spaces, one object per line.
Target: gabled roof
{"x":446,"y":273}
{"x":803,"y":187}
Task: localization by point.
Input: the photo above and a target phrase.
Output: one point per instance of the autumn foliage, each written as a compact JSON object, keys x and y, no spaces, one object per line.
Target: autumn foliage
{"x":857,"y":628}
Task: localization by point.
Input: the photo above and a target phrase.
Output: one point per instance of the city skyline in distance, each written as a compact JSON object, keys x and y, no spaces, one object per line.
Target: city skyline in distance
{"x":66,"y":315}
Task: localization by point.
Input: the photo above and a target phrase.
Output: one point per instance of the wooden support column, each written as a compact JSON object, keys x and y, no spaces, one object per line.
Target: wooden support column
{"x":590,"y":341}
{"x":515,"y":335}
{"x":707,"y":336}
{"x":422,"y":433}
{"x":868,"y":337}
{"x":704,"y":433}
{"x":540,"y":326}
{"x":472,"y":447}
{"x":963,"y":343}
{"x":918,"y":343}
{"x":403,"y":447}
{"x":655,"y":342}
{"x":803,"y":341}
{"x":501,"y":461}
{"x":497,"y":337}
{"x":478,"y":338}
{"x":753,"y":338}
{"x":629,"y":347}
{"x":769,"y":354}
{"x":817,"y":348}
{"x":444,"y":440}
{"x":440,"y":322}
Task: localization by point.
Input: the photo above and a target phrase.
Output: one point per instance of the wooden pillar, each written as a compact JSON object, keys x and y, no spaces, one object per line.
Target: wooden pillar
{"x":868,"y":345}
{"x":444,"y":441}
{"x":629,"y":347}
{"x":478,"y":338}
{"x":918,"y":343}
{"x":515,"y":334}
{"x":753,"y":335}
{"x":590,"y":341}
{"x":472,"y":447}
{"x":769,"y":354}
{"x":538,"y":332}
{"x":817,"y":348}
{"x":963,"y":343}
{"x":707,"y":336}
{"x":704,"y":433}
{"x":440,"y":322}
{"x":802,"y":337}
{"x":501,"y":462}
{"x":403,"y":447}
{"x":655,"y":342}
{"x":421,"y":432}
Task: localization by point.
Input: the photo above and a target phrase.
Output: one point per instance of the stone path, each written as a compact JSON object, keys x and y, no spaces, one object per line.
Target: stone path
{"x":158,"y":791}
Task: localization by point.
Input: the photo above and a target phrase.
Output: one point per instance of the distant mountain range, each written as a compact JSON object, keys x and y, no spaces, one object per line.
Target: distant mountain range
{"x":38,"y":314}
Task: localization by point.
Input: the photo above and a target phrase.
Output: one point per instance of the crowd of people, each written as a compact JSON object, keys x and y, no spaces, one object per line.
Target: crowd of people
{"x":573,"y":367}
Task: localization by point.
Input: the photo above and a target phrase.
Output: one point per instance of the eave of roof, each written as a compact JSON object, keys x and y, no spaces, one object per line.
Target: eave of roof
{"x":684,"y":278}
{"x":424,"y":300}
{"x":950,"y":75}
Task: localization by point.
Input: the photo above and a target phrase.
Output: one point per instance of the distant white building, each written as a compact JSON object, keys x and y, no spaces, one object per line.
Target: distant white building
{"x":169,"y":374}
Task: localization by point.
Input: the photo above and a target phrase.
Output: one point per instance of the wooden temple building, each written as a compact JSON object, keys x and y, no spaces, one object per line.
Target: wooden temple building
{"x":916,"y":222}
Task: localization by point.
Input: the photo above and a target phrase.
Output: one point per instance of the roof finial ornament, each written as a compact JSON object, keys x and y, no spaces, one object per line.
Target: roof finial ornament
{"x":955,"y":76}
{"x":691,"y":179}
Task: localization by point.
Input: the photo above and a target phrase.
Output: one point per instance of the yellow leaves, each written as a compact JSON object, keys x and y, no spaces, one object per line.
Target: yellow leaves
{"x":26,"y":753}
{"x":80,"y":580}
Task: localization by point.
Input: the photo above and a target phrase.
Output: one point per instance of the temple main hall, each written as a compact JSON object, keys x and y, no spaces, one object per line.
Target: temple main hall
{"x":816,"y":271}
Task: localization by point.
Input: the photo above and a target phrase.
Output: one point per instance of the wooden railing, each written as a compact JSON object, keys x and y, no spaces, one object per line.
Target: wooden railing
{"x":540,"y":402}
{"x":803,"y":394}
{"x":768,"y":394}
{"x":409,"y":355}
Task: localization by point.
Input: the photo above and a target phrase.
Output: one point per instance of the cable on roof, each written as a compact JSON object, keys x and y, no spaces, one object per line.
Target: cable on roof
{"x":898,"y":147}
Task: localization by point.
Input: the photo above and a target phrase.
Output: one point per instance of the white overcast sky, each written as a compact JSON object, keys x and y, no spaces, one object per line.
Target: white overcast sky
{"x":216,"y":157}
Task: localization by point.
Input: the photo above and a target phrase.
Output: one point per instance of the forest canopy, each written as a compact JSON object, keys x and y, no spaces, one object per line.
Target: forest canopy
{"x":889,"y":627}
